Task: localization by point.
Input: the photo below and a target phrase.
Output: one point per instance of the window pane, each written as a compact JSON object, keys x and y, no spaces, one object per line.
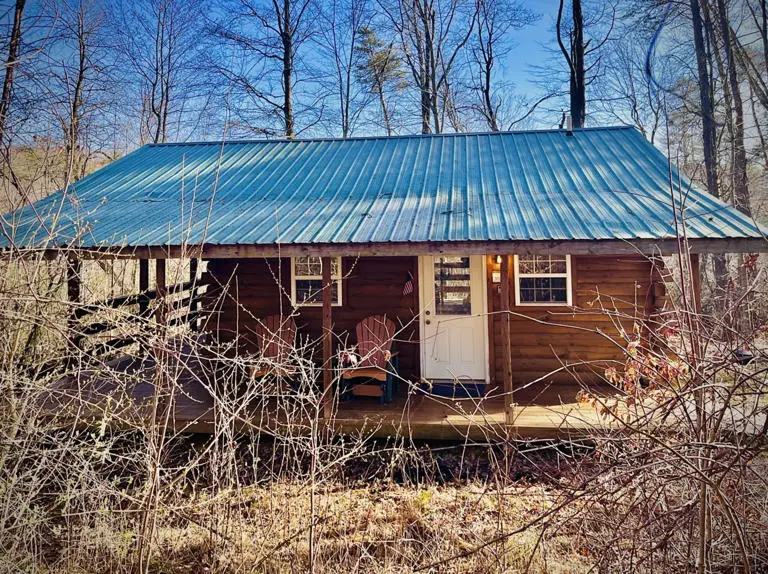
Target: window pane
{"x":526,"y":264}
{"x":543,"y":290}
{"x":311,"y":291}
{"x":308,"y":290}
{"x":557,"y":265}
{"x":301,"y":267}
{"x":308,"y":265}
{"x":452,"y":286}
{"x":311,"y":266}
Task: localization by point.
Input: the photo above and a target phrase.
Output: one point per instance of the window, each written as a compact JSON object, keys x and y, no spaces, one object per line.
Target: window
{"x":543,"y":279}
{"x":307,"y":280}
{"x":452,"y":286}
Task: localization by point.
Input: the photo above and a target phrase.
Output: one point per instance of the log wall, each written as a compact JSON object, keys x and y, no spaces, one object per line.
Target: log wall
{"x":371,"y":285}
{"x":541,"y":337}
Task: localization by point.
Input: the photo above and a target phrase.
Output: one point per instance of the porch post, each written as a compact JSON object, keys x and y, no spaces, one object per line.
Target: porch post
{"x":696,"y":282}
{"x":194,"y":304}
{"x":74,"y":268}
{"x":160,"y":291}
{"x":327,"y":337}
{"x":506,"y":347}
{"x":143,"y":284}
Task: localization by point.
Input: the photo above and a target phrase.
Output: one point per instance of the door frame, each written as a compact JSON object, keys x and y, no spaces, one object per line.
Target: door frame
{"x":422,"y":279}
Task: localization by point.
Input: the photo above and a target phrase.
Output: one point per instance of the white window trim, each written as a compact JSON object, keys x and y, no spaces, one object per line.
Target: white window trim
{"x":336,"y":278}
{"x":568,"y":288}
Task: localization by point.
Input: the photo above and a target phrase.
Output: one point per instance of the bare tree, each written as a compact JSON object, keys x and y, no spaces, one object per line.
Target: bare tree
{"x":163,"y":43}
{"x":272,"y":33}
{"x":80,"y":64}
{"x":342,"y":23}
{"x":379,"y":68}
{"x":495,"y":21}
{"x":702,"y":31}
{"x":734,"y":110}
{"x":432,"y":34}
{"x":629,"y":94}
{"x":10,"y":65}
{"x":578,"y":51}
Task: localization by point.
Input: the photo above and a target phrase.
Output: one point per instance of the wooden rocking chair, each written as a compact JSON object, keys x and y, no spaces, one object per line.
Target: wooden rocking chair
{"x":378,"y":364}
{"x":276,"y":336}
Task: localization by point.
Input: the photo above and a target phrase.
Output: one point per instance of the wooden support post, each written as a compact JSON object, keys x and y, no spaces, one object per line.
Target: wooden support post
{"x":491,"y":293}
{"x":506,"y":347}
{"x":696,"y":282}
{"x":74,"y":269}
{"x":143,"y":285}
{"x":161,"y":312}
{"x":327,"y":338}
{"x":194,"y":305}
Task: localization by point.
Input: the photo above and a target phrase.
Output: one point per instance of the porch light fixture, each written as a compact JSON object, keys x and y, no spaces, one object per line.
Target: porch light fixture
{"x":498,"y":259}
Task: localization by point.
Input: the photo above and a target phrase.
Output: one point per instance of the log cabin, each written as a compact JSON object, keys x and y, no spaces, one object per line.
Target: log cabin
{"x":510,"y":263}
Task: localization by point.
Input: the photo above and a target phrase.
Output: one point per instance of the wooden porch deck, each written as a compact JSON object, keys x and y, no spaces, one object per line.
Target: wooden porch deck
{"x":124,"y":393}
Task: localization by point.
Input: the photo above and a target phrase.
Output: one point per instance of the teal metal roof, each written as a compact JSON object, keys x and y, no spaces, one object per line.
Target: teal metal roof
{"x":601,"y":183}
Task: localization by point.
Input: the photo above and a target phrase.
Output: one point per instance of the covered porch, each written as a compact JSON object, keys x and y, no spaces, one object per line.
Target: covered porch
{"x":225,"y":298}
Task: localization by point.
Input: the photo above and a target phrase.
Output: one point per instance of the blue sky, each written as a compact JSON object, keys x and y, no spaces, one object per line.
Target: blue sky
{"x":530,"y":49}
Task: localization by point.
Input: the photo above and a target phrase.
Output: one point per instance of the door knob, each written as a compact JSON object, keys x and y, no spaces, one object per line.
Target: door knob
{"x":428,"y":322}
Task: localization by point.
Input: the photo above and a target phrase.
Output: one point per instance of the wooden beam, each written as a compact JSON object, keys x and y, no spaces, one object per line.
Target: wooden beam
{"x":574,"y":247}
{"x":327,"y":338}
{"x":143,"y":284}
{"x":74,"y":271}
{"x":506,"y":345}
{"x":696,"y":282}
{"x":194,"y":306}
{"x":490,"y":288}
{"x":161,"y":313}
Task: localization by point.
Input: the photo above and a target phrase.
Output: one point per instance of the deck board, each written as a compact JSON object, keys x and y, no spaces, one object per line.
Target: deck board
{"x":126,"y":390}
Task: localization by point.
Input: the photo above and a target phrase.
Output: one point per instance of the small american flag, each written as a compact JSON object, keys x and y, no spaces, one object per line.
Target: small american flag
{"x":408,"y":287}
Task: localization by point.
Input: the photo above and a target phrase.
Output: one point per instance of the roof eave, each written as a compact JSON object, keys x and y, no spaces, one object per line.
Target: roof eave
{"x":572,"y":247}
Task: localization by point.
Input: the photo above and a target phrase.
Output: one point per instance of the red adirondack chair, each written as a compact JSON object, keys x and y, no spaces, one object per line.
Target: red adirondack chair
{"x":276,"y":336}
{"x":377,"y":364}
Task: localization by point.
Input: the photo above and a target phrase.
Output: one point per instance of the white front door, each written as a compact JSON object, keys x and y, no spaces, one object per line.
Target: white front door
{"x":453,"y":318}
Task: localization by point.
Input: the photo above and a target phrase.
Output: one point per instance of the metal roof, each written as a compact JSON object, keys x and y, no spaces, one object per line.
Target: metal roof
{"x":601,"y":183}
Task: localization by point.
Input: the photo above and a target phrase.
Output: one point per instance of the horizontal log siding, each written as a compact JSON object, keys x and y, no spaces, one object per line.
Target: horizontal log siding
{"x":372,"y":285}
{"x":543,"y":337}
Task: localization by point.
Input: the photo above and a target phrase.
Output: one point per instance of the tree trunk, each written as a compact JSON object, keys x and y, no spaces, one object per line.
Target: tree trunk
{"x":574,"y":56}
{"x":705,"y":97}
{"x":490,"y":111}
{"x":708,"y":130}
{"x":383,"y":103}
{"x":739,"y":160}
{"x":287,"y":38}
{"x":578,"y":73}
{"x":73,"y":132}
{"x":10,"y":66}
{"x":424,"y":46}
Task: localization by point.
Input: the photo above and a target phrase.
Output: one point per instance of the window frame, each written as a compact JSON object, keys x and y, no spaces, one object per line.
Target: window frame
{"x":334,"y":278}
{"x":568,"y":275}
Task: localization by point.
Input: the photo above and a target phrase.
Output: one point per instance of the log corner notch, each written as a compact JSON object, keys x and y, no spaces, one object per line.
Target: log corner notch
{"x":506,"y":347}
{"x":327,"y":290}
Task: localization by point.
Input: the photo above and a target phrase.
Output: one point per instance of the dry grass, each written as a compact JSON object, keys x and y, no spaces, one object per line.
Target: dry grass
{"x":380,"y":528}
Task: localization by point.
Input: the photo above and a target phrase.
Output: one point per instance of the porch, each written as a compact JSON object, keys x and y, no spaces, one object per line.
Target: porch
{"x":133,"y":393}
{"x":515,"y":354}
